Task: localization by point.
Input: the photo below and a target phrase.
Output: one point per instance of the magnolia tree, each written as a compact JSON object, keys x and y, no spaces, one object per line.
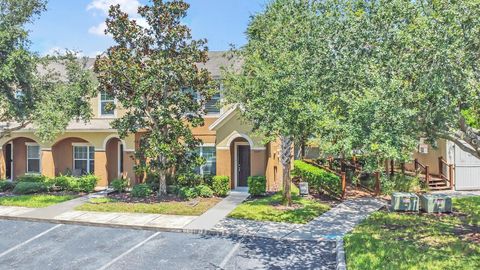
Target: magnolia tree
{"x":276,"y":85}
{"x":33,"y":93}
{"x":401,"y":70}
{"x":152,"y":71}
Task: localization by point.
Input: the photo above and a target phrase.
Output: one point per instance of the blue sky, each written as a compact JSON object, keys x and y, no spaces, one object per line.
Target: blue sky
{"x":78,"y":24}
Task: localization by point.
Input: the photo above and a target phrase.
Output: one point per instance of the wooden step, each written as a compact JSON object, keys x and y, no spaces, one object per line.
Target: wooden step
{"x":439,"y":188}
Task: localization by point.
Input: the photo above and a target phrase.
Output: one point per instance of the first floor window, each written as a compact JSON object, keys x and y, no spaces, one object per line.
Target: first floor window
{"x":83,"y":159}
{"x":33,"y":158}
{"x":209,"y":154}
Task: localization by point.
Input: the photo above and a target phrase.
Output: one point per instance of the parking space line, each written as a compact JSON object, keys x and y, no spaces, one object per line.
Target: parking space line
{"x":29,"y":240}
{"x":229,"y":255}
{"x":128,"y":251}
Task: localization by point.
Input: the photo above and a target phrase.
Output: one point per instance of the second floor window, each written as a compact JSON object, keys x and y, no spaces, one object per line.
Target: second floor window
{"x":212,"y":106}
{"x":107,"y":104}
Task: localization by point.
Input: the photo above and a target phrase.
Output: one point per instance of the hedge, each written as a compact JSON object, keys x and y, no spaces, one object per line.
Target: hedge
{"x":257,"y":185}
{"x":6,"y":185}
{"x":317,"y":178}
{"x":30,"y":188}
{"x":221,"y":185}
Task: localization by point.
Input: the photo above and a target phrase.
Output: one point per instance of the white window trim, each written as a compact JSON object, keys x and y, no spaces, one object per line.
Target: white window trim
{"x":209,"y":145}
{"x":88,"y":154}
{"x":27,"y":144}
{"x":114,"y":115}
{"x":235,"y":163}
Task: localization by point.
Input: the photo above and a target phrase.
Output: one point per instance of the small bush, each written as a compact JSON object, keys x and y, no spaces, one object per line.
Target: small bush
{"x":141,"y":191}
{"x":189,"y":179}
{"x":6,"y":185}
{"x":86,"y":183}
{"x":32,"y":178}
{"x":62,"y":182}
{"x":119,"y":185}
{"x":188,"y":192}
{"x":318,"y":178}
{"x":153,"y":181}
{"x":29,"y":188}
{"x":257,"y":185}
{"x":221,"y":185}
{"x":204,"y":191}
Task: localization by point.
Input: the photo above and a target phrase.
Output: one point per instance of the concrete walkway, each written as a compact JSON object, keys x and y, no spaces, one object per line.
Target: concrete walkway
{"x":65,"y":213}
{"x":209,"y":219}
{"x":331,"y":225}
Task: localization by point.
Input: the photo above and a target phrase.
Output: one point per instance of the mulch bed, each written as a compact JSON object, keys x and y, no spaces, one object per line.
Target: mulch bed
{"x":125,"y":197}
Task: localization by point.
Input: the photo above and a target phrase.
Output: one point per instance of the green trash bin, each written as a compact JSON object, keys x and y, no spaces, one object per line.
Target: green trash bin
{"x":436,"y":203}
{"x":404,"y":201}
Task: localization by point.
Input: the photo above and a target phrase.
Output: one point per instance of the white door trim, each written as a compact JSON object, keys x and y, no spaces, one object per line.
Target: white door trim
{"x":12,"y":171}
{"x":119,"y":159}
{"x":235,"y":163}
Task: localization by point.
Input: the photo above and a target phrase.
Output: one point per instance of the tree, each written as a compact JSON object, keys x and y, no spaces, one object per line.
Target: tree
{"x":276,"y":85}
{"x":402,"y":70}
{"x":153,"y":73}
{"x":31,"y":90}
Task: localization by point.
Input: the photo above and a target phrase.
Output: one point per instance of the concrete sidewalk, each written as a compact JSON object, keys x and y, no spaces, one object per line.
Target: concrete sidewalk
{"x":209,"y":219}
{"x":65,"y":213}
{"x":329,"y":226}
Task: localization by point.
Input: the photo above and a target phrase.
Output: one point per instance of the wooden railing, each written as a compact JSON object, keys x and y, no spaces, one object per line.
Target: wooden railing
{"x":419,"y":168}
{"x":445,"y":171}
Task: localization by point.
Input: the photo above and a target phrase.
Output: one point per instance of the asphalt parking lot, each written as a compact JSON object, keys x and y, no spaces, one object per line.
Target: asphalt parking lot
{"x":33,"y":245}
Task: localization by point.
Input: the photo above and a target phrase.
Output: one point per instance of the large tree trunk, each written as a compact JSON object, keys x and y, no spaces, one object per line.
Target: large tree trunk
{"x":286,"y":160}
{"x":162,"y":188}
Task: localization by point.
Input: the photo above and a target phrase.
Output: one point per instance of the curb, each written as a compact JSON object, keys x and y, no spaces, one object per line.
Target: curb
{"x":341,"y":264}
{"x":156,"y":229}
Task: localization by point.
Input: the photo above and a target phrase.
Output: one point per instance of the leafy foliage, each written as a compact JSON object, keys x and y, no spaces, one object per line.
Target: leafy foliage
{"x":204,"y":191}
{"x":31,"y":89}
{"x":221,"y":185}
{"x":32,"y":178}
{"x":141,"y":191}
{"x":6,"y":185}
{"x":30,"y":188}
{"x":257,"y":185}
{"x":152,"y":71}
{"x":317,"y":178}
{"x":119,"y":185}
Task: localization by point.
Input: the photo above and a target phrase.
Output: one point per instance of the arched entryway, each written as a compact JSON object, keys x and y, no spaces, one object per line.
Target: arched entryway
{"x":115,"y":152}
{"x":241,"y":161}
{"x":20,"y":156}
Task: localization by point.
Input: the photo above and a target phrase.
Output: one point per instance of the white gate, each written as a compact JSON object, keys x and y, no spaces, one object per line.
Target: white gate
{"x":467,"y":171}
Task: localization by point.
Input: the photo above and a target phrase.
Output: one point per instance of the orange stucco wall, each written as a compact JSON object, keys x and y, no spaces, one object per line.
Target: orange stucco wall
{"x":20,"y":156}
{"x":63,"y":155}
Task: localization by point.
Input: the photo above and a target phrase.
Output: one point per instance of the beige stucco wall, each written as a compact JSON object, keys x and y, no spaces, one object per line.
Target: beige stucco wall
{"x":431,"y":158}
{"x":235,"y":128}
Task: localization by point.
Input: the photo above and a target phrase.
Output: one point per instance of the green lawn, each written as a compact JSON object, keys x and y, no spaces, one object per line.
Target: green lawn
{"x":166,"y":208}
{"x":270,"y":209}
{"x":410,"y":241}
{"x":34,"y":201}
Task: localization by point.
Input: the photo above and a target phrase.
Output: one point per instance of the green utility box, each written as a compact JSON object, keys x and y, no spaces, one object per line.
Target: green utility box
{"x":436,"y":203}
{"x":402,"y":201}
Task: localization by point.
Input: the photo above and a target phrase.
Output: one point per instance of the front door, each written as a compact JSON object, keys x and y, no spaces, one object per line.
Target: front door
{"x":8,"y":161}
{"x":243,"y":165}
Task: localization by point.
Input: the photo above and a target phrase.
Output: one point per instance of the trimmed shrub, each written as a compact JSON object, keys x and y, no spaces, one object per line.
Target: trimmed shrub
{"x":141,"y":191}
{"x":62,"y":182}
{"x":32,"y":178}
{"x":204,"y":191}
{"x":221,"y":185}
{"x":119,"y":185}
{"x":30,"y":188}
{"x":86,"y":183}
{"x":188,"y":192}
{"x":6,"y":185}
{"x":317,"y":178}
{"x":189,"y":179}
{"x":257,"y":185}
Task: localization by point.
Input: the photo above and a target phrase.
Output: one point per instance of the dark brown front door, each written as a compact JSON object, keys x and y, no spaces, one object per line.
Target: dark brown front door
{"x":8,"y":161}
{"x":243,"y":165}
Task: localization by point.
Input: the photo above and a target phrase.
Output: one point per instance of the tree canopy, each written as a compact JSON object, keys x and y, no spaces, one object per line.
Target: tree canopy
{"x":32,"y":92}
{"x":153,"y":72}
